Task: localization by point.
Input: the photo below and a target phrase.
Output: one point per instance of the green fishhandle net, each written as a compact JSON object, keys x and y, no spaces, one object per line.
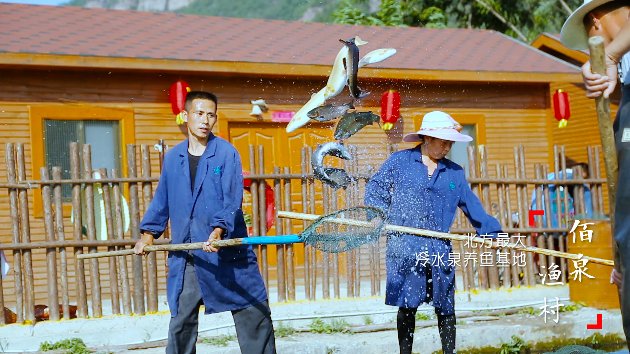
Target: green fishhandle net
{"x":332,"y":233}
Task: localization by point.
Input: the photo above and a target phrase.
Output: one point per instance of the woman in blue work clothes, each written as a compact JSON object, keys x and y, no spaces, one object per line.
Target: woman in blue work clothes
{"x":421,"y":188}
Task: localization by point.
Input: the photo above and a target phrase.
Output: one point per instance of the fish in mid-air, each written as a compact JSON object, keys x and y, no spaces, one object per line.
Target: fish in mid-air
{"x":334,"y":177}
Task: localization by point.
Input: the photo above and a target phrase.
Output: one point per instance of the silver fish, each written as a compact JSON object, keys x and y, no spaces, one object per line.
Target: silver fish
{"x":351,"y":64}
{"x":334,"y":177}
{"x":329,"y":112}
{"x":351,"y":123}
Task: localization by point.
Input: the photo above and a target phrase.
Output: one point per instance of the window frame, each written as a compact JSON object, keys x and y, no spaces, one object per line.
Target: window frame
{"x":38,"y":114}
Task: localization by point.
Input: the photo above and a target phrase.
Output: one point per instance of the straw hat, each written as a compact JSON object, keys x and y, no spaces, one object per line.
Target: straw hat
{"x":573,"y":33}
{"x":439,"y":125}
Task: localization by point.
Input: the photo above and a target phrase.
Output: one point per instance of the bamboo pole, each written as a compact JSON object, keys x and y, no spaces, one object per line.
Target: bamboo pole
{"x":280,"y":273}
{"x":134,"y":210}
{"x":147,"y":194}
{"x":61,"y":236}
{"x":95,"y":276}
{"x":531,"y":271}
{"x":29,"y":287}
{"x":15,"y":231}
{"x":79,"y":265}
{"x":447,"y":236}
{"x":119,"y":236}
{"x":602,"y":105}
{"x":51,"y":255}
{"x":289,"y":247}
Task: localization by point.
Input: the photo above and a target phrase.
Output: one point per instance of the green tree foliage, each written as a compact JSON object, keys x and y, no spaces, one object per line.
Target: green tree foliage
{"x":523,"y":19}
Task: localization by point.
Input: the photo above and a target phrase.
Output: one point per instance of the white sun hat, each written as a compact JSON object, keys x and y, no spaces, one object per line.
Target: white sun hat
{"x":439,"y":125}
{"x":573,"y":33}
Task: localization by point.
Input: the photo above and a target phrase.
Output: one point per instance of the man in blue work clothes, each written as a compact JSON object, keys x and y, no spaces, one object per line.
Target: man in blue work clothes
{"x":421,"y":188}
{"x":200,"y":191}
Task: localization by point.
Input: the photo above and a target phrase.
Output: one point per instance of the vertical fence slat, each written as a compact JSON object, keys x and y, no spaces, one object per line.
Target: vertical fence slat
{"x":15,"y":231}
{"x":280,"y":270}
{"x":307,"y":250}
{"x":326,"y":255}
{"x":313,"y":251}
{"x":503,"y":219}
{"x":262,"y":214}
{"x":540,"y":238}
{"x":51,"y":253}
{"x":77,"y":232}
{"x":147,"y":194}
{"x":95,"y":276}
{"x":119,"y":230}
{"x":482,"y":272}
{"x":253,"y":189}
{"x":61,"y":236}
{"x":113,"y":272}
{"x":29,"y":287}
{"x":290,"y":251}
{"x":530,"y":257}
{"x":134,"y":210}
{"x":493,"y":272}
{"x":335,"y":256}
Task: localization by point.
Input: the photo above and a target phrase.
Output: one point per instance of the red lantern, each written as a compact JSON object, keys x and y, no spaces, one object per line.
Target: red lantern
{"x":390,"y":108}
{"x":270,"y":207}
{"x":177,"y":95}
{"x":561,"y":107}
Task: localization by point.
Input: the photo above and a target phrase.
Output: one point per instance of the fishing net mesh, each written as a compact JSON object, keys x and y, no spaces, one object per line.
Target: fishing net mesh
{"x":345,"y":229}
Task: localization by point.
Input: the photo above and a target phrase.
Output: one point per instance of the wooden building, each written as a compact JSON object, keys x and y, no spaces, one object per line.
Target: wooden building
{"x":102,"y":77}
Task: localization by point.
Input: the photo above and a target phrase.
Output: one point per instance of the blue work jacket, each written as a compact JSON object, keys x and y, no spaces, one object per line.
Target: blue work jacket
{"x":404,"y":191}
{"x":229,"y":279}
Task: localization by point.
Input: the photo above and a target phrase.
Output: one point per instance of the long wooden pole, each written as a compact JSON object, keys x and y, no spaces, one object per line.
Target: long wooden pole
{"x":602,"y":105}
{"x":443,"y":235}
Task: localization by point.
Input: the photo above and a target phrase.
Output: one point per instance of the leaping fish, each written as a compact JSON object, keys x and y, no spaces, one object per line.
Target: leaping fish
{"x":351,"y":64}
{"x":351,"y":123}
{"x":334,"y":177}
{"x":300,"y":118}
{"x":376,"y":56}
{"x":330,"y":111}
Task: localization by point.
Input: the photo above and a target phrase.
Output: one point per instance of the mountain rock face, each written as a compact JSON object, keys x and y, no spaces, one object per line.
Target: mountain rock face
{"x":141,"y":5}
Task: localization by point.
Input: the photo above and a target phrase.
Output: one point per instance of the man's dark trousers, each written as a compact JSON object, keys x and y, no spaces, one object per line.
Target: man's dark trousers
{"x":254,"y":327}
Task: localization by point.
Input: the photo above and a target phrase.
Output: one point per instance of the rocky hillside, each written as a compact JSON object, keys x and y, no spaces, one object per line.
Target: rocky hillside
{"x":306,"y":10}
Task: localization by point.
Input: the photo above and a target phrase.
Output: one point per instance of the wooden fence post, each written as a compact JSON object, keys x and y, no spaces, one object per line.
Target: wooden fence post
{"x":61,"y":236}
{"x":147,"y":193}
{"x":113,"y":273}
{"x":51,"y":253}
{"x":95,"y":279}
{"x":29,"y":288}
{"x":15,"y":231}
{"x":79,"y":265}
{"x":134,"y":210}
